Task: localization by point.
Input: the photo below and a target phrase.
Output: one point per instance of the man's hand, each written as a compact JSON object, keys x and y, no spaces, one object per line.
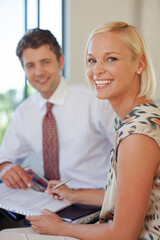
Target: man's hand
{"x":16,"y":177}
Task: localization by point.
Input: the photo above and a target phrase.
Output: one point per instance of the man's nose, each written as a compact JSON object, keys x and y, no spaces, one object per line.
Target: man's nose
{"x":39,"y":70}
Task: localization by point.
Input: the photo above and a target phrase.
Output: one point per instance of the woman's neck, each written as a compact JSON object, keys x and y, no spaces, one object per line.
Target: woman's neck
{"x":123,"y":107}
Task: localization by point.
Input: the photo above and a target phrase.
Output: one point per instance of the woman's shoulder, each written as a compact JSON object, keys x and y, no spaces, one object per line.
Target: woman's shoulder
{"x":143,"y":119}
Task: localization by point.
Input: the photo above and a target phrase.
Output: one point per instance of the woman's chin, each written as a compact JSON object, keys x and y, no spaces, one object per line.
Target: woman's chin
{"x":101,"y":95}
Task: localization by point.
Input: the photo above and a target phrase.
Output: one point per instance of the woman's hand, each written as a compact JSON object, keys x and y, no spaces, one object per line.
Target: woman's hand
{"x":48,"y":223}
{"x":60,"y":193}
{"x":82,"y":196}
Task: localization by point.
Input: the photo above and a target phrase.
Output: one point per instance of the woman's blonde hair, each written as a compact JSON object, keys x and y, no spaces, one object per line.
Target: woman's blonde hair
{"x":137,"y":44}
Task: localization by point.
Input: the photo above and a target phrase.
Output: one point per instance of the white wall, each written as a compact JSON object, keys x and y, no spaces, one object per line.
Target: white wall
{"x":82,"y":16}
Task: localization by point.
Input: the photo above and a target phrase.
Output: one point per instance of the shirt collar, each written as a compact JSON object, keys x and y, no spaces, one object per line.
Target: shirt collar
{"x":59,"y":95}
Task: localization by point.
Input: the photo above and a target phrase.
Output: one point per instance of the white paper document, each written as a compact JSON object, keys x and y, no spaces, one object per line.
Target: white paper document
{"x":28,"y":202}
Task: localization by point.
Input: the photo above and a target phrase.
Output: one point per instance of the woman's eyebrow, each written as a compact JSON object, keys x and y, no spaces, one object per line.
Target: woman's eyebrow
{"x":107,"y":53}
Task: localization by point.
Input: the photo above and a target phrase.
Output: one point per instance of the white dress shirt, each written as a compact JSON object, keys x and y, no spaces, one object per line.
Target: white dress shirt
{"x":85,"y":131}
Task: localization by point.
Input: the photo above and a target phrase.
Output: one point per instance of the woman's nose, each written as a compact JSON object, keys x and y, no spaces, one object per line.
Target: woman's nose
{"x":99,"y":68}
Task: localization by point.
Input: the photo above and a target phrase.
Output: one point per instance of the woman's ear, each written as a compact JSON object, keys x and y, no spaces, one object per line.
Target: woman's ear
{"x":141,"y":65}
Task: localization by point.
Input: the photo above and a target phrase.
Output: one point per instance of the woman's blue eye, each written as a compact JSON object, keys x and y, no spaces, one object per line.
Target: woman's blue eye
{"x":111,"y":59}
{"x":91,"y":60}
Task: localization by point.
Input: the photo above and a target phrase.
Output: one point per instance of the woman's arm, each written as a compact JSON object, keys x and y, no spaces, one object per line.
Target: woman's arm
{"x":138,"y":160}
{"x":82,"y":196}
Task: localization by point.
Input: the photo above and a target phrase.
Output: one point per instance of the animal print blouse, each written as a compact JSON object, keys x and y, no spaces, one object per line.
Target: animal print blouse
{"x":144,"y":119}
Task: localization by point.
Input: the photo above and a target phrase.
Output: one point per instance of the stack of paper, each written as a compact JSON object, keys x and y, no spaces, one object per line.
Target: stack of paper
{"x":28,"y":202}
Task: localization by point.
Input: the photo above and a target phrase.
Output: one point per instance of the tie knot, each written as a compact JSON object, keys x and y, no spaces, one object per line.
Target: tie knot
{"x":49,"y":106}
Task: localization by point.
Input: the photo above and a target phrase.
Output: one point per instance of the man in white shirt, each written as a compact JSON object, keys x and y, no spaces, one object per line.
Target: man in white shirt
{"x":85,"y":124}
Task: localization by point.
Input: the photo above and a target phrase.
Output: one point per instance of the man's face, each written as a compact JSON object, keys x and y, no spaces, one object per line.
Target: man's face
{"x":42,"y":69}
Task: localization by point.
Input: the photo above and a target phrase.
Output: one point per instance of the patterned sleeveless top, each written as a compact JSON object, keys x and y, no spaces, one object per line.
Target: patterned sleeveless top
{"x":144,"y":119}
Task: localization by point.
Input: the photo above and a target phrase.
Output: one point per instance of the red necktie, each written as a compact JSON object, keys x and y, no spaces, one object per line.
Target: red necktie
{"x":50,"y":145}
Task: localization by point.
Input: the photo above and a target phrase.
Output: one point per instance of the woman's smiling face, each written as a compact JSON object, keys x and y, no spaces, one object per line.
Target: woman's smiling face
{"x":111,"y":67}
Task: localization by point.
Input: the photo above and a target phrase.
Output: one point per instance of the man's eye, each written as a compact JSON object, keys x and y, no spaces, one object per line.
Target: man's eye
{"x":111,"y":59}
{"x":45,"y":62}
{"x":29,"y":66}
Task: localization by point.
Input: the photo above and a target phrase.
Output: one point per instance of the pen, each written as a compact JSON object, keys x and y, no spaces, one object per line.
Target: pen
{"x":61,"y":183}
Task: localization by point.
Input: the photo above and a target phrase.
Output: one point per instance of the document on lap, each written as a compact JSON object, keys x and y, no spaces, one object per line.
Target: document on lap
{"x":15,"y":203}
{"x":28,"y":202}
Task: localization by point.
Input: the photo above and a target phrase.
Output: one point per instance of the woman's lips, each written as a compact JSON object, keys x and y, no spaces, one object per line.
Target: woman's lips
{"x":102,"y":83}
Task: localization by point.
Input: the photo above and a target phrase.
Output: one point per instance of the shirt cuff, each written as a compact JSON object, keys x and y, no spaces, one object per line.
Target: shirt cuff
{"x":6,"y":168}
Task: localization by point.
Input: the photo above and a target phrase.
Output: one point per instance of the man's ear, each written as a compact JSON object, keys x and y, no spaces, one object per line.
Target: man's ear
{"x":61,"y":63}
